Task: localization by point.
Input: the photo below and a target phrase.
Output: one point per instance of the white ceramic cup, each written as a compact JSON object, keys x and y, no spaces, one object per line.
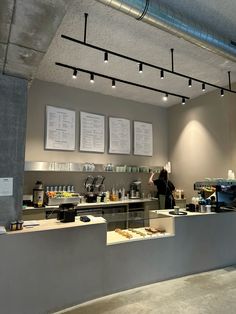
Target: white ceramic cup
{"x":176,"y":210}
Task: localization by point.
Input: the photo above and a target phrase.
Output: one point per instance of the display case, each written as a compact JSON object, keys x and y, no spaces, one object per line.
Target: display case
{"x":140,"y":226}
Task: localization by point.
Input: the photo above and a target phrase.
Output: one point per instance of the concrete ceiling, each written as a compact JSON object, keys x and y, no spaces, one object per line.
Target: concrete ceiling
{"x":115,"y":31}
{"x":26,"y":30}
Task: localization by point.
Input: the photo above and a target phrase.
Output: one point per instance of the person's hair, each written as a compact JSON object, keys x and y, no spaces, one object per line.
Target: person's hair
{"x":163,"y":174}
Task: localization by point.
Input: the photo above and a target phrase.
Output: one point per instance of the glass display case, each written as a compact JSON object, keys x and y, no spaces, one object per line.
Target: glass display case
{"x":127,"y":227}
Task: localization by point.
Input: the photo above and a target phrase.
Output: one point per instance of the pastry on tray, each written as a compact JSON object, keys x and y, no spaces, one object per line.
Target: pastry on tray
{"x":151,"y":229}
{"x":155,"y":230}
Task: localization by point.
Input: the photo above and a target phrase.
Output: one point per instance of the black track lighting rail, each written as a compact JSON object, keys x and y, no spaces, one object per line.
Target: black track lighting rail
{"x":147,"y":64}
{"x":73,"y":68}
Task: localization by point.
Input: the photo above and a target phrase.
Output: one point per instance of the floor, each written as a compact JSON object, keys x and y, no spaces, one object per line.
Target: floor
{"x":211,"y":292}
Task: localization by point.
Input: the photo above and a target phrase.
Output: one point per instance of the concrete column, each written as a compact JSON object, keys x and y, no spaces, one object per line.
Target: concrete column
{"x":13,"y":109}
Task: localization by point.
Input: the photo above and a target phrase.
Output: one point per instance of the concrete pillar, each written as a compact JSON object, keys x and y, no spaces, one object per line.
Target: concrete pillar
{"x":13,"y":109}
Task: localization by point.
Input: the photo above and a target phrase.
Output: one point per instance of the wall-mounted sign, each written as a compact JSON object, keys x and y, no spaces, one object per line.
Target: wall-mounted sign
{"x":60,"y":129}
{"x":6,"y":186}
{"x":119,"y":136}
{"x":92,"y":132}
{"x":143,"y":139}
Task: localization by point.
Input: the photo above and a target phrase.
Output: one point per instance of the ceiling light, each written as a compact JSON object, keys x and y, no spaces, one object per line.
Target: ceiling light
{"x":146,"y":64}
{"x":190,"y":82}
{"x":203,"y":87}
{"x":183,"y":101}
{"x":140,"y":68}
{"x":113,"y":83}
{"x":165,"y":98}
{"x":105,"y":57}
{"x":74,"y":76}
{"x":91,"y":78}
{"x":222,"y":93}
{"x":162,"y":74}
{"x":93,"y":74}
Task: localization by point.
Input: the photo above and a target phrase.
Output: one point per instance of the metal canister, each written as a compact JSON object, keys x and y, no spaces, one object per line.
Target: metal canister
{"x":13,"y":226}
{"x":38,"y":194}
{"x":19,"y":225}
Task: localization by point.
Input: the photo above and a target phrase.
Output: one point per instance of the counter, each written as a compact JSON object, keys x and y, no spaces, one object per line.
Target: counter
{"x":96,"y":209}
{"x":56,"y":268}
{"x":54,"y":224}
{"x":100,"y":204}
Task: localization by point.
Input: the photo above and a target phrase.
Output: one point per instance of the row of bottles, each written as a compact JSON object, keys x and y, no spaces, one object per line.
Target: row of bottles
{"x":39,"y":192}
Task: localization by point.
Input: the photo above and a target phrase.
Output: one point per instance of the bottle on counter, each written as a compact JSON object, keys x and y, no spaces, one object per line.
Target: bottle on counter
{"x":38,"y":194}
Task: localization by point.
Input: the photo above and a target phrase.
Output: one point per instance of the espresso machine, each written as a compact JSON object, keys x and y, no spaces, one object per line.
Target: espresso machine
{"x":135,"y":189}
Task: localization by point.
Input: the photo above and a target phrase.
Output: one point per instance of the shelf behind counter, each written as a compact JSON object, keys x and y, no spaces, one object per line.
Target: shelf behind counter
{"x":136,"y":206}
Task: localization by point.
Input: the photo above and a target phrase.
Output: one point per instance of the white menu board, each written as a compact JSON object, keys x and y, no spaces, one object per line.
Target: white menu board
{"x":60,"y":128}
{"x":143,"y":139}
{"x":92,"y":132}
{"x":119,"y":136}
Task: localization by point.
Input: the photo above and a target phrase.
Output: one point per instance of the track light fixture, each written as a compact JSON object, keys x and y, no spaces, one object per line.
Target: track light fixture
{"x":91,"y":78}
{"x":119,"y":80}
{"x":165,"y":98}
{"x":203,"y":87}
{"x":113,"y":83}
{"x":183,"y":101}
{"x":105,"y":57}
{"x":74,"y":76}
{"x":140,"y":68}
{"x":162,"y":74}
{"x":142,"y":63}
{"x":222,"y":93}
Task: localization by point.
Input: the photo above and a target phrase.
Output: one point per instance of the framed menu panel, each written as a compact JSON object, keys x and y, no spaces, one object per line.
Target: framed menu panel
{"x":119,"y":136}
{"x":143,"y":138}
{"x":60,"y":128}
{"x":92,"y":132}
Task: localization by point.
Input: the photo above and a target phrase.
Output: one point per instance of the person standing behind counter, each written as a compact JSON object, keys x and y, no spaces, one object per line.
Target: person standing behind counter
{"x":165,"y":189}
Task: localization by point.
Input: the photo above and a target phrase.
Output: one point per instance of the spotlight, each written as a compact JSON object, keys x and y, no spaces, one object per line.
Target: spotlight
{"x":162,"y":74}
{"x":92,"y":78}
{"x":140,"y":68}
{"x":183,"y":101}
{"x":222,"y":93}
{"x":165,"y":98}
{"x":113,"y":84}
{"x":190,"y":82}
{"x":203,"y":87}
{"x":74,"y":76}
{"x":106,"y":57}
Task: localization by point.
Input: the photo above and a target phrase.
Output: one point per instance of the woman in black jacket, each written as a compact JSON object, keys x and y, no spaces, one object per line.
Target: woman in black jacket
{"x":165,"y":189}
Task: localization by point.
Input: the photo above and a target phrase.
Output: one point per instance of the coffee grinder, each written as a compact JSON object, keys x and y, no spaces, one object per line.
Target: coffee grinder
{"x":135,"y":189}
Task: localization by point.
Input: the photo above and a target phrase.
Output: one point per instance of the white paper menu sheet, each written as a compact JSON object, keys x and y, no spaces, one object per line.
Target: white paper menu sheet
{"x":60,"y":128}
{"x":6,"y":186}
{"x":143,"y":139}
{"x":92,"y":132}
{"x":119,"y":136}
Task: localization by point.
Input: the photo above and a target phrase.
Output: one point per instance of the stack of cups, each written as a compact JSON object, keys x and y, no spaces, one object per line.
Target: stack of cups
{"x":208,"y":208}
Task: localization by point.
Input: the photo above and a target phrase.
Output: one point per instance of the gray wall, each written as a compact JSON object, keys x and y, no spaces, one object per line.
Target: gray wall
{"x":202,"y":139}
{"x":13,"y":100}
{"x":45,"y":93}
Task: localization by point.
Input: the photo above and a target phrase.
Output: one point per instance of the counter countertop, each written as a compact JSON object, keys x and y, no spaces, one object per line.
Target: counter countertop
{"x":189,"y":214}
{"x":51,"y":224}
{"x":101,"y":204}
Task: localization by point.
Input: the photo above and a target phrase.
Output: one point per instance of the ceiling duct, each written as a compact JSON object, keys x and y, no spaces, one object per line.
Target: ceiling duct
{"x":152,"y":13}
